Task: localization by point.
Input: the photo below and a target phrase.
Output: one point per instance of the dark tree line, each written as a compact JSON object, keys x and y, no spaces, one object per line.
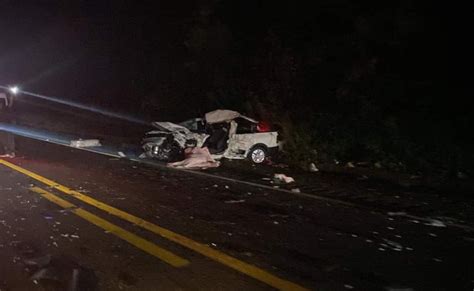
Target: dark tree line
{"x":344,"y":80}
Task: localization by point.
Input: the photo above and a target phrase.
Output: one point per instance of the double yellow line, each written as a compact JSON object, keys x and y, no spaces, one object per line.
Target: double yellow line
{"x":129,"y":237}
{"x":203,"y":249}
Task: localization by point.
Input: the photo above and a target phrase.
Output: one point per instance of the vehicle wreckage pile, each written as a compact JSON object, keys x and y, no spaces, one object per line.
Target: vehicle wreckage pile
{"x":199,"y":142}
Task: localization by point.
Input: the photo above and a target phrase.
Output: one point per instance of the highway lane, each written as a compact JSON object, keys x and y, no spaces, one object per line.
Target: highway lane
{"x":128,"y":226}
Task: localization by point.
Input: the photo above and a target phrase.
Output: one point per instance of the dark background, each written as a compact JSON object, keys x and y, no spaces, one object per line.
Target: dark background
{"x":346,"y":80}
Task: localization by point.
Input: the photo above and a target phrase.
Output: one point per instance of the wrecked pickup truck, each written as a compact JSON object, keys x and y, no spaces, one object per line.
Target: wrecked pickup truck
{"x":226,"y":133}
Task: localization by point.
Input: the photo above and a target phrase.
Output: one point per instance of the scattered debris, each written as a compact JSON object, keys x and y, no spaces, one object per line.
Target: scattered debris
{"x":394,"y":245}
{"x":45,"y":274}
{"x":39,"y":261}
{"x":234,"y":201}
{"x":282,"y":178}
{"x":435,"y":222}
{"x":84,"y":143}
{"x":60,"y":272}
{"x":296,"y":190}
{"x":396,"y":213}
{"x":350,"y":165}
{"x":313,"y":168}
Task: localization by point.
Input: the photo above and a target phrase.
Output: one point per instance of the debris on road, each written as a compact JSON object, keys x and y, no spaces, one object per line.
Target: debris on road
{"x":435,"y":222}
{"x":63,"y":273}
{"x":296,"y":190}
{"x":394,"y":245}
{"x":85,"y":143}
{"x":282,"y":178}
{"x":45,"y":274}
{"x":39,"y":261}
{"x":313,"y":168}
{"x":397,"y":213}
{"x":234,"y":201}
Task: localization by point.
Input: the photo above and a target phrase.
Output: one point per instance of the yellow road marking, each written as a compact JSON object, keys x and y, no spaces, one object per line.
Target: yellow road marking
{"x":129,"y":237}
{"x":203,"y":249}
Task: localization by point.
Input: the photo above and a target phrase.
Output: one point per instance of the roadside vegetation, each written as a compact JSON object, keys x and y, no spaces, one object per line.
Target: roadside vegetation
{"x":339,"y":86}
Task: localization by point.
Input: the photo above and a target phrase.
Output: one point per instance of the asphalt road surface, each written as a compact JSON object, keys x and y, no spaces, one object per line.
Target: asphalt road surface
{"x":73,"y":220}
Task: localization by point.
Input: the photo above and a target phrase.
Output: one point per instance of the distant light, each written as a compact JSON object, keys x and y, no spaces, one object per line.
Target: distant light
{"x":14,"y":90}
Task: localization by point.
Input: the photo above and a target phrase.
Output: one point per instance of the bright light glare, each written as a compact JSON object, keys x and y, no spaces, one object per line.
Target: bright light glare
{"x":14,"y":90}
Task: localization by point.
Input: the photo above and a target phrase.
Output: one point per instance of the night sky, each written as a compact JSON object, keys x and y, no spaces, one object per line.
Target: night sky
{"x":84,"y":48}
{"x":81,"y":50}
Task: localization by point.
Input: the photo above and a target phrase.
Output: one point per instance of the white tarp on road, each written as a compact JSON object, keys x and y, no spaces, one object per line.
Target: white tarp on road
{"x":196,"y":158}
